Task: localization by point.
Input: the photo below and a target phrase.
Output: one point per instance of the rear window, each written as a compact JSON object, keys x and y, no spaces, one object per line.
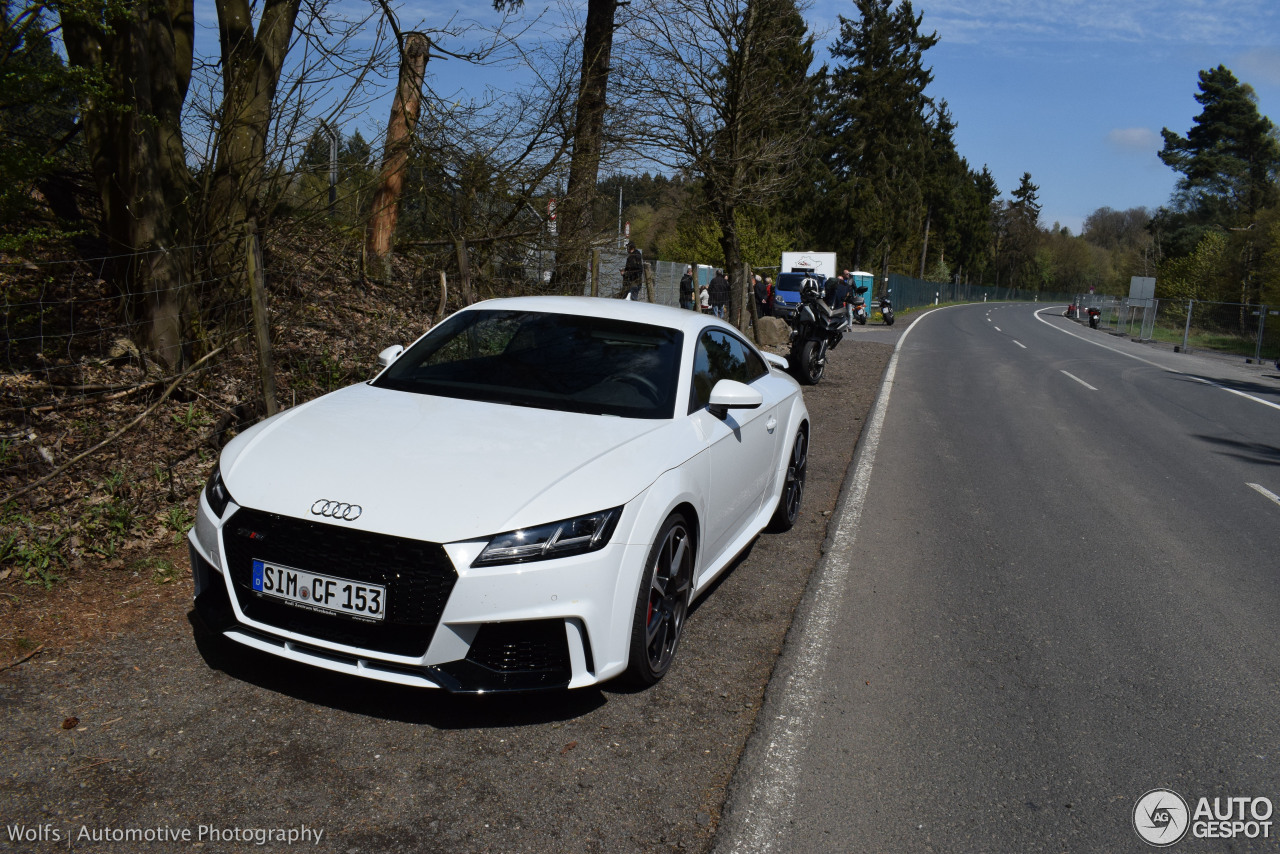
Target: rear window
{"x":562,"y":362}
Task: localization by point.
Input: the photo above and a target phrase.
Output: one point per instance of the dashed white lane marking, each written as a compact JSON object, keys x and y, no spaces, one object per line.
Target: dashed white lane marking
{"x":997,"y":328}
{"x":1155,"y":364}
{"x":1019,"y":343}
{"x":1264,"y":491}
{"x":1082,"y":382}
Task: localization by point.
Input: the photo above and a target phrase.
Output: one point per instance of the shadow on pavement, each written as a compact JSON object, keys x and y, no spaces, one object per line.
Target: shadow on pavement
{"x":387,"y":700}
{"x":1253,"y":452}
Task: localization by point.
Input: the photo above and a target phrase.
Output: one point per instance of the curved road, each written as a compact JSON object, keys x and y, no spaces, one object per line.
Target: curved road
{"x":1054,"y":587}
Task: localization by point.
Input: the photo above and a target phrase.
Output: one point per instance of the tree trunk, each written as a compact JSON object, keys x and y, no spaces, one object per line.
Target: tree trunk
{"x":924,"y":250}
{"x":139,"y":161}
{"x":405,"y":110}
{"x":736,"y":270}
{"x":573,"y":248}
{"x":464,"y":272}
{"x":251,"y":66}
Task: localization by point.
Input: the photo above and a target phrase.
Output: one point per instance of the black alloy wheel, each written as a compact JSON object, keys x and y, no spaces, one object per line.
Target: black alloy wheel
{"x":792,"y":498}
{"x":663,"y":602}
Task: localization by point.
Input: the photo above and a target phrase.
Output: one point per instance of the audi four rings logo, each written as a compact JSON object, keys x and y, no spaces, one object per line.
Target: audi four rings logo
{"x":337,"y":510}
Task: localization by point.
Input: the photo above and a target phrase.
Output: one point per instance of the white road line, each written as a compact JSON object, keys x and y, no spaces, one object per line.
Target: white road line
{"x":1155,"y":364}
{"x":997,"y":328}
{"x":1019,"y":343}
{"x":1234,"y":391}
{"x":759,"y":815}
{"x":1266,"y":492}
{"x":1082,"y":382}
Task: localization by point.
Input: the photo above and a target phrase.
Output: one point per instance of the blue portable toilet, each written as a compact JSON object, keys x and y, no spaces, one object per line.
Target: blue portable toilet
{"x":860,"y":282}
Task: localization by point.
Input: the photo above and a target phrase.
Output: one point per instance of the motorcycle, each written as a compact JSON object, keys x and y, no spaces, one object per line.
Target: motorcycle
{"x":860,"y":306}
{"x":815,"y":329}
{"x":1095,"y":318}
{"x":886,"y":310}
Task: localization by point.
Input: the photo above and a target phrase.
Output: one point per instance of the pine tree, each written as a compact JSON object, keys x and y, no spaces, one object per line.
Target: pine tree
{"x":1230,"y":159}
{"x":877,"y":123}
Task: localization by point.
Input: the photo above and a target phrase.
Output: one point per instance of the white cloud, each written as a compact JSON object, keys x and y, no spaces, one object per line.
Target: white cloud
{"x":1140,"y":140}
{"x":1003,"y":23}
{"x":1259,"y":67}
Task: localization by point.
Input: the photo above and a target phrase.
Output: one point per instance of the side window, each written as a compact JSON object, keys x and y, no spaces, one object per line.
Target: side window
{"x":721,"y":356}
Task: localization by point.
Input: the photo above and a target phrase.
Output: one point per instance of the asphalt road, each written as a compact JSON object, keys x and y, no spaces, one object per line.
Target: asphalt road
{"x":169,"y":739}
{"x":1054,"y":587}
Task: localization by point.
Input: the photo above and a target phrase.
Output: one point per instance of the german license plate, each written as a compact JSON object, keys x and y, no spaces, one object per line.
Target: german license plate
{"x":317,"y":592}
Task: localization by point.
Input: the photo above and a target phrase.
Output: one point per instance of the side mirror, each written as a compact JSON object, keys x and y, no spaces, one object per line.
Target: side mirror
{"x":776,"y":361}
{"x":731,"y":394}
{"x":389,"y":355}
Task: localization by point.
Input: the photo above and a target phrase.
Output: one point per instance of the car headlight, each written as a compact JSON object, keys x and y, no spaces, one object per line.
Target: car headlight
{"x":558,"y":539}
{"x":215,"y":492}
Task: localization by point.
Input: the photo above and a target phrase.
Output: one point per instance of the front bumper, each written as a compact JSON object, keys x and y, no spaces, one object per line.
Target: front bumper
{"x":542,"y":625}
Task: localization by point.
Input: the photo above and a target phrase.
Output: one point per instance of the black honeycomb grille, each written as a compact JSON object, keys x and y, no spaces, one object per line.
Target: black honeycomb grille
{"x":418,"y":576}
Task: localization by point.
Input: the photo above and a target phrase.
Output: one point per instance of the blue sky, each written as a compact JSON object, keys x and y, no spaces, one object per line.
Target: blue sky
{"x":1076,"y":91}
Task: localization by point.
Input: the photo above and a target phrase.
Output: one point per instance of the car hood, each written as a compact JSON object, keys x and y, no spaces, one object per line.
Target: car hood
{"x":443,"y":469}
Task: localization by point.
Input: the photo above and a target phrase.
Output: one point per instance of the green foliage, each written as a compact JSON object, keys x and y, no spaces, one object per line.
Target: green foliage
{"x":191,"y":420}
{"x":697,"y":240}
{"x":35,"y":553}
{"x":179,"y":519}
{"x":1196,"y":276}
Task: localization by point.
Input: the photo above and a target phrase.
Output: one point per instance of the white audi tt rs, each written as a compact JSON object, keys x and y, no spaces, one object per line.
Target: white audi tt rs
{"x":529,"y":496}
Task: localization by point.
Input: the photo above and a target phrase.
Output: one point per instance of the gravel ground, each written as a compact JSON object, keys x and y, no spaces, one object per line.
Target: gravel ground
{"x":145,"y":741}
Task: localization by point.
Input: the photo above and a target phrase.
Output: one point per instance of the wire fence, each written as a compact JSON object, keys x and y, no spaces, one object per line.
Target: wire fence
{"x":1249,"y":330}
{"x":104,"y":445}
{"x":907,"y":292}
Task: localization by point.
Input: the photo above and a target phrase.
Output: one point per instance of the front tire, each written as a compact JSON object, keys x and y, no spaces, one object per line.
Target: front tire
{"x":792,"y":497}
{"x":662,"y":603}
{"x":810,"y":361}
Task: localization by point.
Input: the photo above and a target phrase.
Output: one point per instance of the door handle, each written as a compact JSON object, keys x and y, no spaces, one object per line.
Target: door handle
{"x":771,"y":424}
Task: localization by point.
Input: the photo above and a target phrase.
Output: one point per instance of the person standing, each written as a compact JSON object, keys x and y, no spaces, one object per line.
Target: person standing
{"x":762,"y":297}
{"x":843,"y":285}
{"x":719,"y":291}
{"x":686,"y":288}
{"x":770,"y":296}
{"x":633,"y":272}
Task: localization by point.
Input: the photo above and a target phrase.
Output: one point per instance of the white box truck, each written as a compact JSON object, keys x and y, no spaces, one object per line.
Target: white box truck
{"x":823,"y":263}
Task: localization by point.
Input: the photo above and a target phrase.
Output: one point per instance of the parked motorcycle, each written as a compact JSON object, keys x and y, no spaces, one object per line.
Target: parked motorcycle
{"x":860,"y":306}
{"x":886,"y":310}
{"x":815,"y":329}
{"x":1095,"y":318}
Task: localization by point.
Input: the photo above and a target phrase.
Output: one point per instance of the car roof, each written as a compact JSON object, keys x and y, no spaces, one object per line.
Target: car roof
{"x":683,"y":319}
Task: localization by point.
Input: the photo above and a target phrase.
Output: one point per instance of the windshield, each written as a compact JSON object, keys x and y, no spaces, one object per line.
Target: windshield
{"x":790,"y":282}
{"x":549,"y":361}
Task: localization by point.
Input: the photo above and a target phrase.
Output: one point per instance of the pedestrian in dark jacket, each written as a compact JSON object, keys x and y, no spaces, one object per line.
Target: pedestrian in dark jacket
{"x":633,"y":272}
{"x":686,"y":288}
{"x":719,"y":293}
{"x":844,"y":285}
{"x":762,"y":297}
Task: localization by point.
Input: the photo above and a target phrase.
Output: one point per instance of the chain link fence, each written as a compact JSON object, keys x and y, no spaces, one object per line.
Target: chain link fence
{"x":907,"y":292}
{"x":1242,"y":329}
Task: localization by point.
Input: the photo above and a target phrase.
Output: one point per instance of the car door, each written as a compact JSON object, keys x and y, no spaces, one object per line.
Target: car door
{"x":740,"y":446}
